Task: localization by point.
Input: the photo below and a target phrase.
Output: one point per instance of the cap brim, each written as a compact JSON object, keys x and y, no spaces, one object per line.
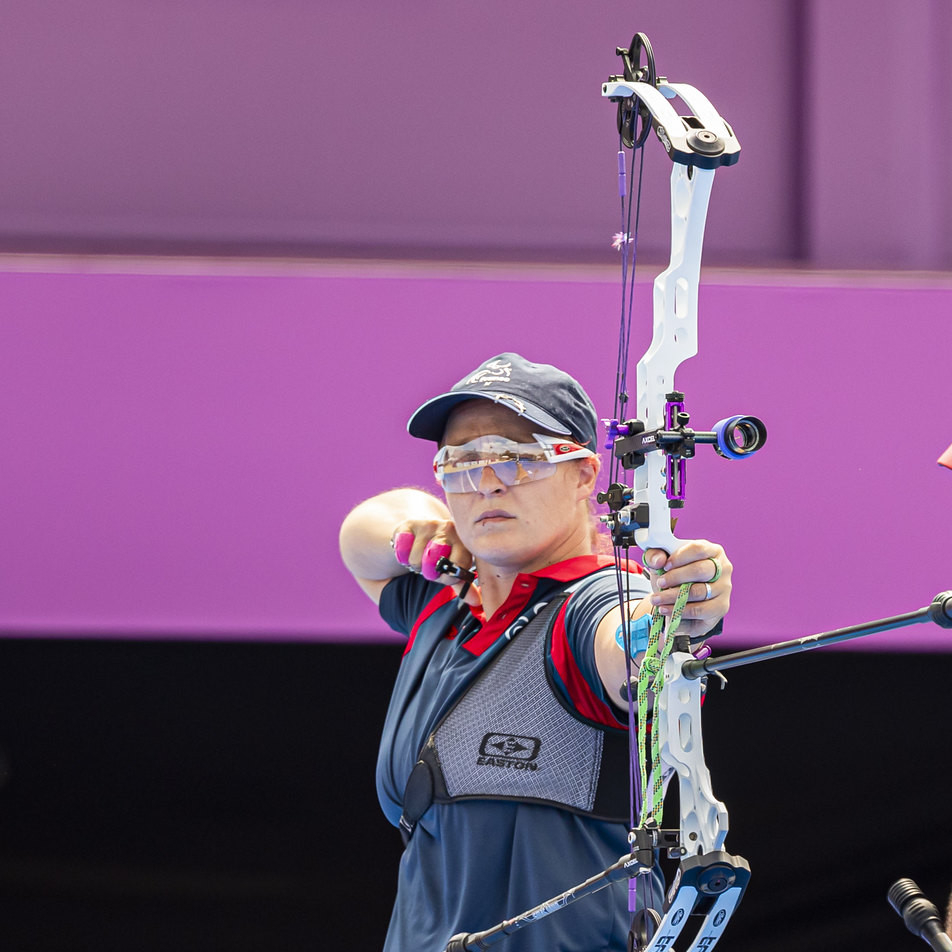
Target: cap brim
{"x":429,"y":421}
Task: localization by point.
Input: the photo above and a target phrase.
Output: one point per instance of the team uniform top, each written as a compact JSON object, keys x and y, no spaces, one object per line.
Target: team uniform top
{"x":472,"y":863}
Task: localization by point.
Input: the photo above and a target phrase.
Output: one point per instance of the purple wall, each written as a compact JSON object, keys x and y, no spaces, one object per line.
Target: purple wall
{"x":329,"y":128}
{"x":182,"y":437}
{"x":182,"y":440}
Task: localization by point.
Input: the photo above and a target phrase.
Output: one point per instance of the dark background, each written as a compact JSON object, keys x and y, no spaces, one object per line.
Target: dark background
{"x":161,"y":795}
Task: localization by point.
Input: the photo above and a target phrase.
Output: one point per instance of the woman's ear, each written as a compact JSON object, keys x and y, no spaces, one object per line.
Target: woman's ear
{"x":588,"y":474}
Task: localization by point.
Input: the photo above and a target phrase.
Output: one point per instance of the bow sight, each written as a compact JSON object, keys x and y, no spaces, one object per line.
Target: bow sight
{"x":736,"y":437}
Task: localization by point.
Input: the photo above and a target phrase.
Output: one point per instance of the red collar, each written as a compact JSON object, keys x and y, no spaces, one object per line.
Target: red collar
{"x":573,"y":568}
{"x":523,"y":587}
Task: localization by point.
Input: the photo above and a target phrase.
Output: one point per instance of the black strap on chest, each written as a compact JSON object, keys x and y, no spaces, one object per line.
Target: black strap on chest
{"x":511,"y":736}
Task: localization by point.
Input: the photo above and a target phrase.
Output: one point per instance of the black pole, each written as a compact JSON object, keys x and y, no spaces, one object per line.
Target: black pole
{"x":626,"y":867}
{"x":939,"y":611}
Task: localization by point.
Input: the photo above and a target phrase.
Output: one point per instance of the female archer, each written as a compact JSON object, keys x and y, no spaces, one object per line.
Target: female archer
{"x":504,"y":757}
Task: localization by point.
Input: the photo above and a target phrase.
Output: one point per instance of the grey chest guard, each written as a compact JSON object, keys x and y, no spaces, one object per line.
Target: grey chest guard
{"x":510,"y":736}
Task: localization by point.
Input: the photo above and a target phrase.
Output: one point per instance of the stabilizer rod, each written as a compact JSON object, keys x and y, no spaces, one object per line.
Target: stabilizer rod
{"x":939,"y":612}
{"x":626,"y":867}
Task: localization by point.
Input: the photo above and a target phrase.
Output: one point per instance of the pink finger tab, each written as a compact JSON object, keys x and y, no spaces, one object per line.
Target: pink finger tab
{"x":432,"y":554}
{"x":402,"y":545}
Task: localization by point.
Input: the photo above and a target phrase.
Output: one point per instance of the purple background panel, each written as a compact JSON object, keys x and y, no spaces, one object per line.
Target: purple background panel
{"x":182,"y":440}
{"x":466,"y":129}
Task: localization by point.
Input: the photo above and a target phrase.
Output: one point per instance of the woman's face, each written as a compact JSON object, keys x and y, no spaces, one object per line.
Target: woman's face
{"x":527,"y":526}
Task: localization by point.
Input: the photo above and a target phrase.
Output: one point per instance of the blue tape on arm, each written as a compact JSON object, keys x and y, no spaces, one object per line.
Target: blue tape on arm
{"x":638,"y":629}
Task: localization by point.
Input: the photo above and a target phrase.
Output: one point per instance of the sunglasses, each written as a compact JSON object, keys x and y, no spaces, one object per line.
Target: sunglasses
{"x":459,"y":469}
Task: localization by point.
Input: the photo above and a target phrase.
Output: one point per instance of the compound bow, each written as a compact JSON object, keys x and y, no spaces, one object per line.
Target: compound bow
{"x":710,"y":882}
{"x":656,"y":445}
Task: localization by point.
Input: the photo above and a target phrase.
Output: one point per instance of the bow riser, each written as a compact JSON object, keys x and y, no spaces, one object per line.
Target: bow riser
{"x":698,"y":144}
{"x":703,"y":817}
{"x":674,"y":340}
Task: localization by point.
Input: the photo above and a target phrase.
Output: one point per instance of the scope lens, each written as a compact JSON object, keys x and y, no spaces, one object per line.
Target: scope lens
{"x":740,"y":436}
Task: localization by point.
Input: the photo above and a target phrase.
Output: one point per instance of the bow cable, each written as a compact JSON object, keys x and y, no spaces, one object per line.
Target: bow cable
{"x":646,"y":785}
{"x":628,"y":237}
{"x":630,"y":202}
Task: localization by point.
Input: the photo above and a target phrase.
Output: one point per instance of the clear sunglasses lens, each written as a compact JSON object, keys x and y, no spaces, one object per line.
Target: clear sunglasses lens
{"x":459,"y":469}
{"x":510,"y":472}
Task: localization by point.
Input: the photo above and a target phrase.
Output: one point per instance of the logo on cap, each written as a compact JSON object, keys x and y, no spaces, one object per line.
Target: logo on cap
{"x":495,"y":371}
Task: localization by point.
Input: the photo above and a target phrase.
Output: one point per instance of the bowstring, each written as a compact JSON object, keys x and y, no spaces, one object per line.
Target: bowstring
{"x":630,"y":200}
{"x":629,"y":260}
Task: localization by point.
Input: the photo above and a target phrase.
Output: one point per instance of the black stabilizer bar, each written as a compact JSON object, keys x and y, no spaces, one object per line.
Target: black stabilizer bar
{"x":939,"y":612}
{"x":627,"y":866}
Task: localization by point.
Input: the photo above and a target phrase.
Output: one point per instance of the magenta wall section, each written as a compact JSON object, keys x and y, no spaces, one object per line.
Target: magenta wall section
{"x":275,"y":126}
{"x":182,"y":439}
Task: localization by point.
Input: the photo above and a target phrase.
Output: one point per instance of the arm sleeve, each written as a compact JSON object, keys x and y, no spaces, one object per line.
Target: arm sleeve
{"x":404,"y":598}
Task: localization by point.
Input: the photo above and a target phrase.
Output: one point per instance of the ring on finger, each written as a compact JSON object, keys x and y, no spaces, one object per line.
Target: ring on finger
{"x":717,"y":570}
{"x":709,"y":592}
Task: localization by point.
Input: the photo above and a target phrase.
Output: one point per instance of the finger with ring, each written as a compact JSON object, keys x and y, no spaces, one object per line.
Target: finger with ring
{"x":717,"y":570}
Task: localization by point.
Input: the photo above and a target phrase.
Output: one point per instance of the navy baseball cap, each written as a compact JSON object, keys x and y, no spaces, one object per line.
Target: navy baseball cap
{"x":539,"y":392}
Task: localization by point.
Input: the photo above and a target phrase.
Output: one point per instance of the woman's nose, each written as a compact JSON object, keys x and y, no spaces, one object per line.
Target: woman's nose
{"x":489,"y":482}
